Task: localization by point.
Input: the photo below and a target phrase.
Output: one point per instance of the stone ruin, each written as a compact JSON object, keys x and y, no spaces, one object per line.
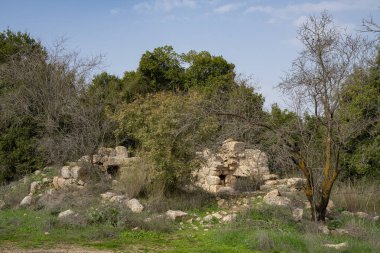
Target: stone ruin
{"x":108,"y":160}
{"x":222,"y":170}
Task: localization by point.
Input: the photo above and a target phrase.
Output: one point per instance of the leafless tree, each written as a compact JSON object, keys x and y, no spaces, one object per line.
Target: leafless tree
{"x":316,"y":81}
{"x":51,"y":90}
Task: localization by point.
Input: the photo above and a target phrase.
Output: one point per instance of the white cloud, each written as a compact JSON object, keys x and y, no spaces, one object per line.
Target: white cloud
{"x":164,"y":5}
{"x":115,"y":11}
{"x":227,"y":8}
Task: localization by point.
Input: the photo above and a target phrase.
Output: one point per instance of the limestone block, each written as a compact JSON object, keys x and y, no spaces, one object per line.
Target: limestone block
{"x":66,"y":172}
{"x":233,"y":147}
{"x":78,"y":172}
{"x":26,"y":201}
{"x":214,"y":188}
{"x":213,"y":180}
{"x":121,"y":151}
{"x":135,"y":206}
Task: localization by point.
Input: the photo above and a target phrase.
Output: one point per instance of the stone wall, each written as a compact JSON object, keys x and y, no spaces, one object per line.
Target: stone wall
{"x":233,"y":161}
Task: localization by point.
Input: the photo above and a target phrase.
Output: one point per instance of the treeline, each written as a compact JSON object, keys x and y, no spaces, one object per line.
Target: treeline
{"x":53,"y":111}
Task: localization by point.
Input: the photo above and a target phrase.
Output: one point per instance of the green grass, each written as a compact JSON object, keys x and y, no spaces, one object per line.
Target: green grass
{"x":257,"y":230}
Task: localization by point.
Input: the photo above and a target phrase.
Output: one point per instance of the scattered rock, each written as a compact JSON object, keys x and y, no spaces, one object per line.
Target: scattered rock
{"x":65,"y":214}
{"x":175,"y":214}
{"x":221,"y":202}
{"x":26,"y":201}
{"x":376,"y":218}
{"x":324,"y":229}
{"x":297,"y":214}
{"x":78,"y":172}
{"x":229,"y":217}
{"x":347,"y":213}
{"x":66,"y":172}
{"x":361,"y":215}
{"x":339,"y":246}
{"x":226,"y":189}
{"x":274,"y":198}
{"x":45,"y":180}
{"x":35,"y":186}
{"x":269,"y":177}
{"x":296,"y":183}
{"x":107,"y":195}
{"x":118,"y":199}
{"x":37,"y":172}
{"x":339,"y":231}
{"x":135,"y":206}
{"x":217,"y":215}
{"x":208,"y":218}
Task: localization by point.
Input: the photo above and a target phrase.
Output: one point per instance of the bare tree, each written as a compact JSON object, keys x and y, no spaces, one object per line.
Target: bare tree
{"x":316,"y":81}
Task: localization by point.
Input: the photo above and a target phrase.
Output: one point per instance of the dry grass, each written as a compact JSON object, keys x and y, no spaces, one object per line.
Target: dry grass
{"x":357,"y":196}
{"x":133,"y":178}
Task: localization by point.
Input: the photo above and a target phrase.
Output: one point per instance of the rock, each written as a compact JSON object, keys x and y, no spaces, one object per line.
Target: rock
{"x":61,"y":182}
{"x":121,"y":151}
{"x":348,"y":213}
{"x":2,"y":204}
{"x":229,"y":217}
{"x":118,"y":199}
{"x":65,"y":214}
{"x":339,"y":246}
{"x":330,"y":206}
{"x":35,"y":186}
{"x":226,"y":189}
{"x":213,"y":180}
{"x":361,"y":215}
{"x":80,"y":182}
{"x":217,"y":216}
{"x":274,"y":198}
{"x":269,"y":177}
{"x":296,"y":183}
{"x":45,"y":180}
{"x":175,"y":214}
{"x":324,"y":229}
{"x":107,"y":195}
{"x":55,"y":182}
{"x":66,"y":172}
{"x":214,"y":188}
{"x":375,"y":218}
{"x":135,"y":206}
{"x":221,"y":202}
{"x":26,"y":201}
{"x":297,"y":214}
{"x":37,"y":172}
{"x":339,"y":231}
{"x":208,"y":218}
{"x":233,"y":147}
{"x":78,"y":172}
{"x":271,"y":182}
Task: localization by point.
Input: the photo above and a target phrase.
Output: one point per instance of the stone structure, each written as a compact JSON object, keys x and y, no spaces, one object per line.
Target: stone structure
{"x":108,"y":160}
{"x":233,"y":161}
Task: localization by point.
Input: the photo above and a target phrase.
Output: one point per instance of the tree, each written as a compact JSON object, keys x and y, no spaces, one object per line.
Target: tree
{"x":161,"y":70}
{"x":316,"y":81}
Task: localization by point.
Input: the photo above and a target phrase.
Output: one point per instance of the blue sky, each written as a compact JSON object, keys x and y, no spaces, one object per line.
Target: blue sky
{"x":258,"y":36}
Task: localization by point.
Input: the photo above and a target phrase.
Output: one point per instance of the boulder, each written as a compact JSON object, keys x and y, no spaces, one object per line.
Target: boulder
{"x":274,"y":198}
{"x":226,"y":189}
{"x":46,"y":180}
{"x":296,"y":183}
{"x":55,"y":182}
{"x":213,"y":180}
{"x":269,"y":177}
{"x":118,"y":199}
{"x":66,"y":172}
{"x":229,"y":217}
{"x":135,"y":206}
{"x":297,"y":214}
{"x":121,"y":151}
{"x":324,"y":229}
{"x":65,"y":214}
{"x":217,"y":215}
{"x":214,"y":188}
{"x":208,"y":218}
{"x":361,"y":215}
{"x":61,"y":182}
{"x":78,"y":172}
{"x":35,"y":186}
{"x":339,"y":246}
{"x":175,"y":214}
{"x":233,"y":147}
{"x":26,"y":201}
{"x":37,"y":172}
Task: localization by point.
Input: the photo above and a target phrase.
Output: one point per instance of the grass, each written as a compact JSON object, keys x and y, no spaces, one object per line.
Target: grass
{"x":266,"y":229}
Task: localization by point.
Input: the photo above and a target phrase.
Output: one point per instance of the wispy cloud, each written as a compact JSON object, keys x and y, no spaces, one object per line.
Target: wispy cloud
{"x":227,"y":8}
{"x":116,"y":11}
{"x":164,"y":5}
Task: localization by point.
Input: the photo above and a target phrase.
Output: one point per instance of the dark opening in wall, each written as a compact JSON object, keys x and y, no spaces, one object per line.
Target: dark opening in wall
{"x":222,"y":179}
{"x":113,"y":170}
